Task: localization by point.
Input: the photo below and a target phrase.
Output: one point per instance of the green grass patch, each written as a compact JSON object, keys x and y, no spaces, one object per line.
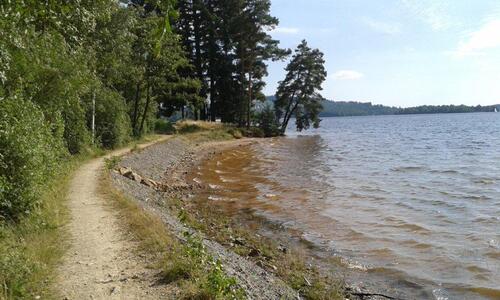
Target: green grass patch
{"x":31,"y":248}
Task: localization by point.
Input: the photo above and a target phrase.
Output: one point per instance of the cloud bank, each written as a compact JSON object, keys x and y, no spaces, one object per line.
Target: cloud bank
{"x":486,"y":37}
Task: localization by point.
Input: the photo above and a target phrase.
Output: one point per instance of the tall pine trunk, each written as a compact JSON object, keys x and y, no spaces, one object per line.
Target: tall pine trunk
{"x":249,"y":106}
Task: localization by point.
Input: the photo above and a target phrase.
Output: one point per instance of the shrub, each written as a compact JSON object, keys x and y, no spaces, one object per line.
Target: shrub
{"x":236,"y":133}
{"x":112,"y":162}
{"x":29,"y":150}
{"x":268,"y":122}
{"x":164,"y":127}
{"x":189,"y":128}
{"x":253,"y":132}
{"x":112,"y":121}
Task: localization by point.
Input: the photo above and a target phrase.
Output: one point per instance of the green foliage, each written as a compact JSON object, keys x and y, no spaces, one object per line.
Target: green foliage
{"x":189,"y":128}
{"x":29,"y":151}
{"x":298,"y":94}
{"x":112,"y":120}
{"x":45,"y":72}
{"x":216,"y":284}
{"x":228,"y":44}
{"x":236,"y":133}
{"x":268,"y":122}
{"x":341,"y":109}
{"x":15,"y":269}
{"x":256,"y":132}
{"x":164,"y":127}
{"x":112,"y":162}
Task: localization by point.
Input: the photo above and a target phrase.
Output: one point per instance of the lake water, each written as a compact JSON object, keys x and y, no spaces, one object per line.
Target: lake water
{"x":414,"y":199}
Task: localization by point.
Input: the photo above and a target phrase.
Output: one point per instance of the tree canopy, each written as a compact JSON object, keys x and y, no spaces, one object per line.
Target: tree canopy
{"x":298,"y":94}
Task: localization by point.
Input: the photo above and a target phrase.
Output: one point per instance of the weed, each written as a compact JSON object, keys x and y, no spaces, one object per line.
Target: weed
{"x":112,"y":162}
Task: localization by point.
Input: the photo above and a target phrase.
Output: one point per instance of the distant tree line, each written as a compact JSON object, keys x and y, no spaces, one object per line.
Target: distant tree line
{"x":341,"y":109}
{"x":351,"y":108}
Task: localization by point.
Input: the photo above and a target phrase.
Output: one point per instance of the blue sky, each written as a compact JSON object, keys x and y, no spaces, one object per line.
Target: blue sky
{"x":398,"y":52}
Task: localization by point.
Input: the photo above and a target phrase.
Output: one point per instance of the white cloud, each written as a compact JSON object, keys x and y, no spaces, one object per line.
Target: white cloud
{"x":347,"y":75}
{"x":285,"y":30}
{"x":382,"y":27}
{"x":487,"y":37}
{"x":432,"y":12}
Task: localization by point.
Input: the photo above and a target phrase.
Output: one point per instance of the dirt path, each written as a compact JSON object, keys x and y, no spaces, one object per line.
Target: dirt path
{"x":100,"y":263}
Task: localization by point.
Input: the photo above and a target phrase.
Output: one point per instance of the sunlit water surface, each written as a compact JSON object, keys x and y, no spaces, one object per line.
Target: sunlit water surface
{"x":414,"y":199}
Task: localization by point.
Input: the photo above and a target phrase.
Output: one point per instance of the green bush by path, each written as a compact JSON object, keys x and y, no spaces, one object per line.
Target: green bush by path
{"x":164,"y":127}
{"x":113,"y":127}
{"x":29,"y":151}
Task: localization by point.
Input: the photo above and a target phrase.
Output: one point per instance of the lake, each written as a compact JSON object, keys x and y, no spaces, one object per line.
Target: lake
{"x":413,"y":199}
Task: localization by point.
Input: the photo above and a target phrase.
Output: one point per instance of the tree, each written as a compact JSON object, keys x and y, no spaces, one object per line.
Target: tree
{"x":254,"y":47}
{"x":228,"y":44}
{"x":298,"y":94}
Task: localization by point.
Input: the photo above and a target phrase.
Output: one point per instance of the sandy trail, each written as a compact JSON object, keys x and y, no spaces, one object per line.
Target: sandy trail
{"x":100,"y":263}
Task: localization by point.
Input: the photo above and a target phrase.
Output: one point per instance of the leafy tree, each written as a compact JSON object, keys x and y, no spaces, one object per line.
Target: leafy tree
{"x":298,"y":94}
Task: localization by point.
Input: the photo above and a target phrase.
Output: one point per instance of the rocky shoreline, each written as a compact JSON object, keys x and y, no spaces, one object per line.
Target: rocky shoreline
{"x":165,"y":165}
{"x":153,"y":175}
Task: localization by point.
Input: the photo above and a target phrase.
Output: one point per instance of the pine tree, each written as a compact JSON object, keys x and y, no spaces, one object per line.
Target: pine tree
{"x":298,"y":94}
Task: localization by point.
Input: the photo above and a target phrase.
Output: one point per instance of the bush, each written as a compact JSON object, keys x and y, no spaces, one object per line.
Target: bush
{"x":253,"y":132}
{"x":164,"y":127}
{"x":268,"y":122}
{"x":112,"y":121}
{"x":236,"y":133}
{"x":189,"y":128}
{"x":29,"y":150}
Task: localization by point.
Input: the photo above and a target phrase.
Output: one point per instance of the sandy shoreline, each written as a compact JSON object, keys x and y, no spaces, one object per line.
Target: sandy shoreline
{"x":169,"y":163}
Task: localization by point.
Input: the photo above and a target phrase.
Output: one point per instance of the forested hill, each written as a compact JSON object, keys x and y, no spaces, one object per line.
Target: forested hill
{"x":340,"y":109}
{"x":351,"y":108}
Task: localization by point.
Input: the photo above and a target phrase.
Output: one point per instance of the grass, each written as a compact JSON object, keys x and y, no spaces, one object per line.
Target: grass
{"x":32,"y":247}
{"x":190,"y":126}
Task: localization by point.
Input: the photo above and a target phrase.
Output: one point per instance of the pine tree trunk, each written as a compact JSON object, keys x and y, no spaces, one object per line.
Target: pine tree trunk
{"x":249,"y":107}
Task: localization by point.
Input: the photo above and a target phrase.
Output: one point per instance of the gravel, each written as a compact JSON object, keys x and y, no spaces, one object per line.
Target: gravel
{"x":167,"y":163}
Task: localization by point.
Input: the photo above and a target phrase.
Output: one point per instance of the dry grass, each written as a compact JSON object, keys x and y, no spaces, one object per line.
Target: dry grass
{"x":187,"y":126}
{"x":153,"y":236}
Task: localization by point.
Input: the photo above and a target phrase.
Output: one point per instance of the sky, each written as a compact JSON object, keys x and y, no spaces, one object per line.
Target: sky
{"x":397,"y":52}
